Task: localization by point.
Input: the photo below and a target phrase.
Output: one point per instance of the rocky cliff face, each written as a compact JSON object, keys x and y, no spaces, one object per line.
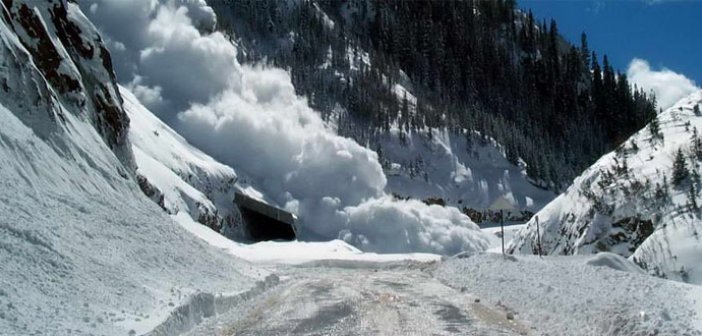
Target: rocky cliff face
{"x":71,"y":66}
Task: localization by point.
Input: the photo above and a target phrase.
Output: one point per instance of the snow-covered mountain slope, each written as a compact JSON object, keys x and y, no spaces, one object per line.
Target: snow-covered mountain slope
{"x":250,"y":118}
{"x":460,"y":169}
{"x":634,"y":202}
{"x":178,"y":176}
{"x":82,"y":250}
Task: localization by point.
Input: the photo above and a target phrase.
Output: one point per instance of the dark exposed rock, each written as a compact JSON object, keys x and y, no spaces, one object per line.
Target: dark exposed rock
{"x":69,"y":33}
{"x":435,"y":201}
{"x":151,"y":191}
{"x":5,"y":14}
{"x":112,"y":121}
{"x":632,"y":230}
{"x":86,"y":81}
{"x":211,"y":220}
{"x":44,"y":52}
{"x":107,"y":62}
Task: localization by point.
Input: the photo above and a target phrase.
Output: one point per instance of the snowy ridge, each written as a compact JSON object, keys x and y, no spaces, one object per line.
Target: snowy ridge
{"x":83,"y":251}
{"x":629,"y":203}
{"x":178,"y":176}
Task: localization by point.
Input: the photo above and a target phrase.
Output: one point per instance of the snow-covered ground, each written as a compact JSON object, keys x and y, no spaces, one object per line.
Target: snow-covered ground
{"x":82,"y":250}
{"x":575,"y":295}
{"x":336,"y":289}
{"x":628,"y":203}
{"x":484,"y":293}
{"x":293,"y":252}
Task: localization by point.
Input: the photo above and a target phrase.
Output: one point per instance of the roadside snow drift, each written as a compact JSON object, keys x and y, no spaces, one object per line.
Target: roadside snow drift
{"x":82,"y":250}
{"x":250,"y":118}
{"x":570,"y":296}
{"x":633,"y":201}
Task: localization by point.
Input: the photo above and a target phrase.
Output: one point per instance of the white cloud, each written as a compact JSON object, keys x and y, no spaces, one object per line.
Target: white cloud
{"x":250,"y":118}
{"x":668,"y":86}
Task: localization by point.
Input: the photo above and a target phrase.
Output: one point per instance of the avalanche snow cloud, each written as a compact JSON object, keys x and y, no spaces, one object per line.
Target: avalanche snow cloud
{"x":669,"y":86}
{"x":250,"y":118}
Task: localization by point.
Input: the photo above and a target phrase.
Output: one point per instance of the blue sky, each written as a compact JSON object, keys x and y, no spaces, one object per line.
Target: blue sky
{"x":666,"y":33}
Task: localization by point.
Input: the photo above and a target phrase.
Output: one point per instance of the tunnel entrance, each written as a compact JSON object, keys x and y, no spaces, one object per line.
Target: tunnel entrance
{"x":265,"y":222}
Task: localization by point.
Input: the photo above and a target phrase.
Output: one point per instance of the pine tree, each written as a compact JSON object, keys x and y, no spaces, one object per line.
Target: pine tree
{"x":695,"y":177}
{"x":660,"y":192}
{"x":696,"y":145}
{"x":511,"y":154}
{"x":596,"y":90}
{"x":584,"y":51}
{"x":404,"y":113}
{"x":655,"y":129}
{"x":692,"y":198}
{"x":680,"y":171}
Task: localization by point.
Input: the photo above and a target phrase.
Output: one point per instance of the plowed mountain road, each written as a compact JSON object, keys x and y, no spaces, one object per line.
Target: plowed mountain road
{"x":353,"y":298}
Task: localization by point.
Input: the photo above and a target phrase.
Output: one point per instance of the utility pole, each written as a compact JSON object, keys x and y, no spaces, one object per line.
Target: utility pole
{"x":538,"y":234}
{"x":502,"y":229}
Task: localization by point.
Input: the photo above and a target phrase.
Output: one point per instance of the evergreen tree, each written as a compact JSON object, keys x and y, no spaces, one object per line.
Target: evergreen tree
{"x":692,"y":198}
{"x":696,"y":145}
{"x":584,"y":51}
{"x":655,"y":129}
{"x":660,"y":192}
{"x":680,"y":171}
